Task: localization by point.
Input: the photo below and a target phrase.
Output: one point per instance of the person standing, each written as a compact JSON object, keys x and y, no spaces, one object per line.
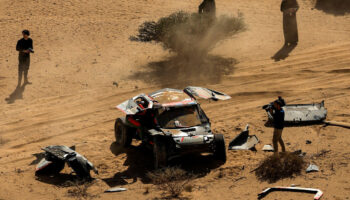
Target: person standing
{"x":290,"y":26}
{"x":278,"y":123}
{"x":207,"y":7}
{"x":25,"y":48}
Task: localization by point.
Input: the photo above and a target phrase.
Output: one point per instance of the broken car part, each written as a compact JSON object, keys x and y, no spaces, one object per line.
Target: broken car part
{"x":301,"y":113}
{"x":318,"y":192}
{"x":116,"y":189}
{"x":267,"y":147}
{"x":57,"y":156}
{"x":244,"y":141}
{"x":312,"y":168}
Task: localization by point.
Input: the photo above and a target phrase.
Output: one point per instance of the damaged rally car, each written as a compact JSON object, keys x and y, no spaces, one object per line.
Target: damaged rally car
{"x":171,"y":122}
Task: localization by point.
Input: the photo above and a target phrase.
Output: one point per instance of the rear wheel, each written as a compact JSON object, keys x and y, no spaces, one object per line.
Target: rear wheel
{"x":160,"y":153}
{"x":220,"y":149}
{"x":122,"y":135}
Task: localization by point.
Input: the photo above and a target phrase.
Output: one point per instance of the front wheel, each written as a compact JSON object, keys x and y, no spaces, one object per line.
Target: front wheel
{"x":122,"y":135}
{"x":160,"y":153}
{"x":220,"y":149}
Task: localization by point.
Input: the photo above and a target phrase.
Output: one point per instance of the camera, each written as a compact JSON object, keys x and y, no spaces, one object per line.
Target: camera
{"x":269,"y":106}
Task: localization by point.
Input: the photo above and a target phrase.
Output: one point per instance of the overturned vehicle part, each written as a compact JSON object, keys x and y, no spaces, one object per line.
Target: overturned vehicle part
{"x":55,"y":158}
{"x":318,"y":193}
{"x":301,"y":113}
{"x":244,"y":141}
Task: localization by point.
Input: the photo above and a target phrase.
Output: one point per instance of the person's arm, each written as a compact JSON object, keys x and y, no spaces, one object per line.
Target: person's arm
{"x":31,"y":44}
{"x":18,"y":46}
{"x":296,"y":6}
{"x":283,"y":5}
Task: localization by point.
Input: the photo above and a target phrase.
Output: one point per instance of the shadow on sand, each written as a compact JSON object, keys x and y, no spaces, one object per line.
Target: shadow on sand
{"x":269,"y":124}
{"x":284,"y":52}
{"x":16,"y":94}
{"x":181,"y":71}
{"x":335,"y":7}
{"x":140,"y":161}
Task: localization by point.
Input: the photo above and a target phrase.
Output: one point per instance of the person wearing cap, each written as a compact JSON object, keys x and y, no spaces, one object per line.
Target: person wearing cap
{"x":207,"y":7}
{"x":290,"y":26}
{"x":278,"y":122}
{"x":25,"y":48}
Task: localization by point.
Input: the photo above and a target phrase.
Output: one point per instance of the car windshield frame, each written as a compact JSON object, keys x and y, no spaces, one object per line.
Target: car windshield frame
{"x":173,"y":113}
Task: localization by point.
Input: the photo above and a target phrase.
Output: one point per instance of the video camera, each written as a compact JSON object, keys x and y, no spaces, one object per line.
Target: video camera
{"x":269,"y":106}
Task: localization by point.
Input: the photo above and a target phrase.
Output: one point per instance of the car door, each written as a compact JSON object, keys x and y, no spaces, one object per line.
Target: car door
{"x":205,"y":93}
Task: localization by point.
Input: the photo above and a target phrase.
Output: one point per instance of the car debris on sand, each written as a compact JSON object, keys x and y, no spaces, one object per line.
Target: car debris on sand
{"x":301,"y":113}
{"x":244,"y":141}
{"x":57,"y":155}
{"x":318,"y":193}
{"x":171,"y":122}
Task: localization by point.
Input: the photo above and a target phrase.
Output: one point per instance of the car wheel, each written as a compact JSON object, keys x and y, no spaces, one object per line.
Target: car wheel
{"x":220,"y":149}
{"x":121,"y":132}
{"x":160,"y":154}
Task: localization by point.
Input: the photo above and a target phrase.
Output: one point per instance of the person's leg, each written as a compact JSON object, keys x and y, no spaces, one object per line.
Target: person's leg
{"x":26,"y":69}
{"x":26,"y":77}
{"x":281,"y":141}
{"x":20,"y":72}
{"x":275,"y":140}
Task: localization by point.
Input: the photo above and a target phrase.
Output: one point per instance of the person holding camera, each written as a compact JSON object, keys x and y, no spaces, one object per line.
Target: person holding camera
{"x":25,"y":48}
{"x":278,"y":122}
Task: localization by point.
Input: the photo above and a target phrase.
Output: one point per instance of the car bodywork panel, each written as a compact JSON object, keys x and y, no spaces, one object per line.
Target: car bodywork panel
{"x":206,"y":93}
{"x":244,"y":141}
{"x":58,"y":154}
{"x":168,"y":97}
{"x":303,"y":113}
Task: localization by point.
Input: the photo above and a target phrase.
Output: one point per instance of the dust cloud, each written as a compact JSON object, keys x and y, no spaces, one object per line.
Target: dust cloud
{"x":190,"y":37}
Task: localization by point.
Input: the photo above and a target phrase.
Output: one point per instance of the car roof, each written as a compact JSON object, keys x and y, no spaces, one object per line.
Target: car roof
{"x":169,"y":97}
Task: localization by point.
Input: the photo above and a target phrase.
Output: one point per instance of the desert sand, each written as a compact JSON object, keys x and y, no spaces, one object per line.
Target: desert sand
{"x":82,"y":47}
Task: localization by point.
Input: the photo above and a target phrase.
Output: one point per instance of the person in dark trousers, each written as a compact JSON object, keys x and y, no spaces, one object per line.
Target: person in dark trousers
{"x":290,"y":26}
{"x":207,"y":7}
{"x":278,"y":122}
{"x":25,"y":48}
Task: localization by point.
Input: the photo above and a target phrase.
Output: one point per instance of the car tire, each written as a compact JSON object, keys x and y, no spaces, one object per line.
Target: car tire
{"x":220,"y":149}
{"x":122,"y":135}
{"x":159,"y":153}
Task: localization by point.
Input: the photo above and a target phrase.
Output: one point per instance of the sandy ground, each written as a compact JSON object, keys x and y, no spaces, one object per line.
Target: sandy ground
{"x":82,"y":46}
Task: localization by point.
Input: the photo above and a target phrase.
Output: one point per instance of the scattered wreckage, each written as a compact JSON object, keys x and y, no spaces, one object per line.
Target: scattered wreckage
{"x":301,"y":113}
{"x":115,"y":189}
{"x":171,"y":122}
{"x":244,"y":141}
{"x":55,"y":158}
{"x":312,"y":168}
{"x":318,"y":193}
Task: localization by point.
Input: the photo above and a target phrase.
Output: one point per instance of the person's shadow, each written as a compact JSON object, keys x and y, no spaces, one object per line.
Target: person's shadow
{"x":284,"y":52}
{"x":16,"y":94}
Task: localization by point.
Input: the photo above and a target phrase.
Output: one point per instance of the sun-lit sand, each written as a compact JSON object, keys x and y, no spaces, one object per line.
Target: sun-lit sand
{"x":82,"y":47}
